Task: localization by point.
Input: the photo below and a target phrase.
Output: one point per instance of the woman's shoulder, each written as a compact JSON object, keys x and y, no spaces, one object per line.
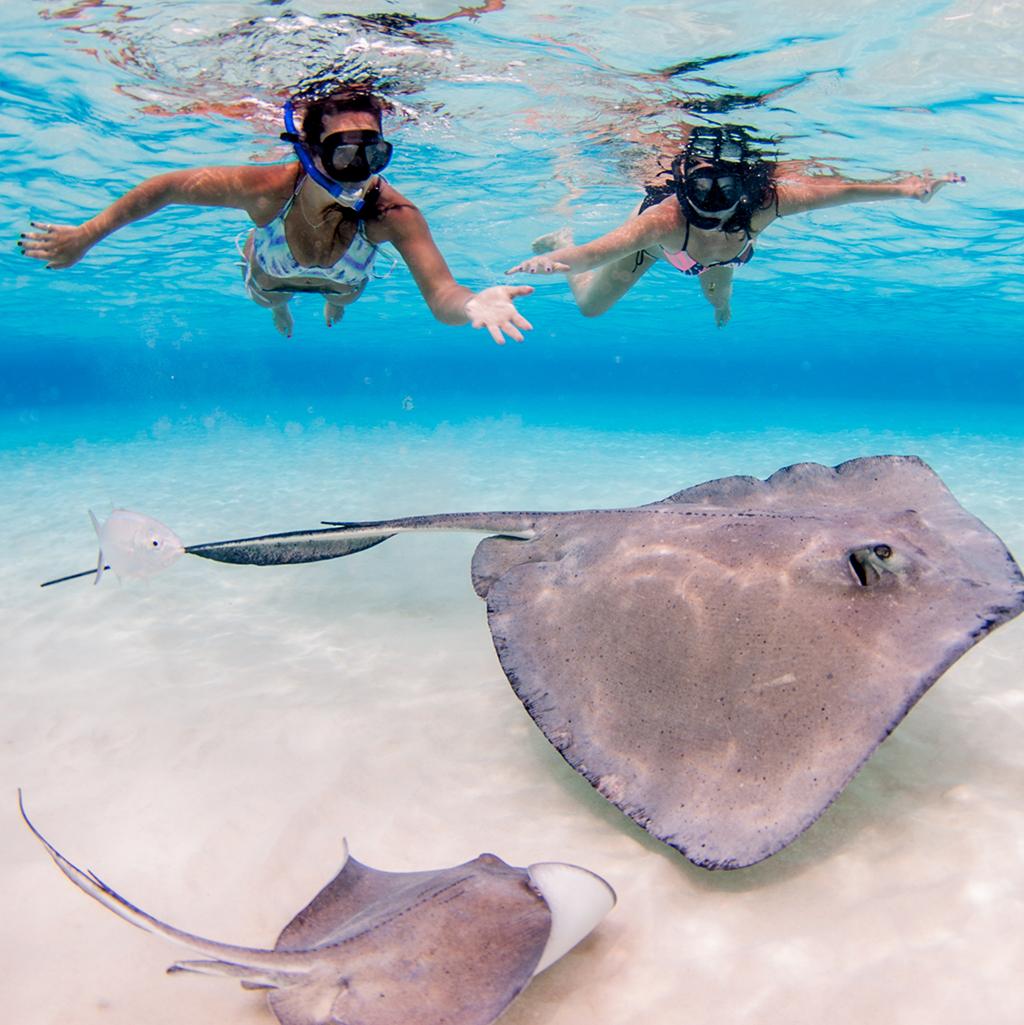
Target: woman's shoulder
{"x":389,"y":199}
{"x":270,"y":183}
{"x":251,"y":179}
{"x":259,"y":189}
{"x":394,"y":214}
{"x":661,"y":207}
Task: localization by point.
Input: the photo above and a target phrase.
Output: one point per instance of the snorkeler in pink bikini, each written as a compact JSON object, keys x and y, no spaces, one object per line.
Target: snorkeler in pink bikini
{"x":319,"y":222}
{"x":704,"y":221}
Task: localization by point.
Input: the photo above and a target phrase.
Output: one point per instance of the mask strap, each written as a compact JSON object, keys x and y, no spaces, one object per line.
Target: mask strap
{"x":336,"y":189}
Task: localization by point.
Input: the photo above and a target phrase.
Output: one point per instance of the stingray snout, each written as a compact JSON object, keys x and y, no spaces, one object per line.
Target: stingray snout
{"x":577,"y":899}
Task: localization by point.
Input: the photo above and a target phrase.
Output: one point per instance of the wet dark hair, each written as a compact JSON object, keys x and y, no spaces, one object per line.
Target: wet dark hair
{"x":750,"y":163}
{"x":339,"y":101}
{"x":730,"y":147}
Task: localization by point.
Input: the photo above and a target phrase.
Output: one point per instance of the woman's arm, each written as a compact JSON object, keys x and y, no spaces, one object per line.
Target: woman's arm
{"x":639,"y":232}
{"x":451,"y":303}
{"x":799,"y":195}
{"x":252,"y":189}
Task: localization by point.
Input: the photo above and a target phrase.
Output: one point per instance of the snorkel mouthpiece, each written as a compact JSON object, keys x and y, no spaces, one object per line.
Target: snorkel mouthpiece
{"x":347,"y":195}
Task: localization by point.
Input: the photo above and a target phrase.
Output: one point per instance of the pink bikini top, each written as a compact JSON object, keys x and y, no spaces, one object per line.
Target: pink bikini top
{"x":682,"y":260}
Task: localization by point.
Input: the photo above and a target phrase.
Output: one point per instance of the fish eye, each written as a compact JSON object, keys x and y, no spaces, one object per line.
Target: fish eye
{"x":156,"y":543}
{"x":883,"y":551}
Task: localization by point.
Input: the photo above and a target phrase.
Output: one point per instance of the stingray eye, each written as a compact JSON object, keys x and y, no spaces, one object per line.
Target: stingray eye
{"x":869,"y":564}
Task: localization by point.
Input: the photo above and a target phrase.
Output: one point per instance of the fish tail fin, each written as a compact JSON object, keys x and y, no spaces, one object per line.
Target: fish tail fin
{"x":99,"y":537}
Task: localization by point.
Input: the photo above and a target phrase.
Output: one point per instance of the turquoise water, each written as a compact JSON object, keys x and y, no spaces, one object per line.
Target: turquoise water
{"x":209,"y":735}
{"x":516,"y":123}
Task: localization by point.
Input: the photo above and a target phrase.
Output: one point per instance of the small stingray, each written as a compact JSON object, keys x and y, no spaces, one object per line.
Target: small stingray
{"x":455,"y":945}
{"x":720,"y":664}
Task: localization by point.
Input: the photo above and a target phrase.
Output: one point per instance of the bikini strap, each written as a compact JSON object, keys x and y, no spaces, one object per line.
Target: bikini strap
{"x":283,"y":212}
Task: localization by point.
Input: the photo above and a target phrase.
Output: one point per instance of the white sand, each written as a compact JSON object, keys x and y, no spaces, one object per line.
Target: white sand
{"x":205,"y":739}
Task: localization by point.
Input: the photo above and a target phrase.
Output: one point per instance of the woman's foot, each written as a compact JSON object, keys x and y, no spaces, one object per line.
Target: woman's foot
{"x":332,"y":313}
{"x":552,"y":240}
{"x":283,"y":320}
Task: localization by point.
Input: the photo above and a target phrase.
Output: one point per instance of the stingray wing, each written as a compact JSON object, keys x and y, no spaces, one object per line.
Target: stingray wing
{"x":720,"y":664}
{"x":454,"y":946}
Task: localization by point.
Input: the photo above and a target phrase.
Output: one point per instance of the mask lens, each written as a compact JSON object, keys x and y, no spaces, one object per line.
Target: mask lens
{"x":354,"y":156}
{"x":378,"y":156}
{"x":701,"y":188}
{"x":730,"y":187}
{"x":342,"y":158}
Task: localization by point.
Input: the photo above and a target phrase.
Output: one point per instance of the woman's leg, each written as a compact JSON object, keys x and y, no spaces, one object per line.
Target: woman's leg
{"x":276,"y":302}
{"x":597,"y":291}
{"x":716,"y":284}
{"x":335,"y":303}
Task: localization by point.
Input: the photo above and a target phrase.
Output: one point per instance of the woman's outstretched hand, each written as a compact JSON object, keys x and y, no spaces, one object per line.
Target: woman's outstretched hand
{"x":542,"y":264}
{"x":924,"y":186}
{"x":494,"y":309}
{"x":60,"y":245}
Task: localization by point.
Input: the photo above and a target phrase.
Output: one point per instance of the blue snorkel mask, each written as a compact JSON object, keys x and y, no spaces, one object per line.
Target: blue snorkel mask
{"x":350,"y":159}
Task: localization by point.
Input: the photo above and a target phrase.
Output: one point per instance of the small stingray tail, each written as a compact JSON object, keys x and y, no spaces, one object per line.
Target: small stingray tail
{"x":292,"y":547}
{"x":90,"y":883}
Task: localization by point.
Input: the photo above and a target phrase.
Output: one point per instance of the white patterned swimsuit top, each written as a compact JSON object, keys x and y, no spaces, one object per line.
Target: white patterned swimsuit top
{"x":272,"y":253}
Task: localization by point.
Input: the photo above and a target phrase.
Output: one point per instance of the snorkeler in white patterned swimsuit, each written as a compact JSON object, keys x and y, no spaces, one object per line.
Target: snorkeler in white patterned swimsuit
{"x":270,"y":250}
{"x":319,"y":222}
{"x":268,"y":256}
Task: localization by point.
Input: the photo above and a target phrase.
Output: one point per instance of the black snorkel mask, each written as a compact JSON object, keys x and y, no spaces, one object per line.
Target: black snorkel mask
{"x":709,"y":176}
{"x":350,"y":159}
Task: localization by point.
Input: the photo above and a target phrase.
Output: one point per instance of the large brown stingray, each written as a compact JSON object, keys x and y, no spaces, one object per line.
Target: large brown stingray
{"x":448,"y":947}
{"x":720,"y":663}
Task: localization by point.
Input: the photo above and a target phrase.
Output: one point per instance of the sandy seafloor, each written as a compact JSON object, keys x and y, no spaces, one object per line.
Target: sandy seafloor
{"x":204,"y":739}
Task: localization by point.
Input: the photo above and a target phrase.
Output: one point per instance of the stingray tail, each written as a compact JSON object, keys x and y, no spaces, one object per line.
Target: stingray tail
{"x":337,"y":539}
{"x":292,"y":547}
{"x":91,"y":884}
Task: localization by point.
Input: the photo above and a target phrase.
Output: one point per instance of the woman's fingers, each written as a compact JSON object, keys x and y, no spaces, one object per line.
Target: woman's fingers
{"x":538,"y":265}
{"x":36,"y":250}
{"x":61,"y":245}
{"x":39,"y":244}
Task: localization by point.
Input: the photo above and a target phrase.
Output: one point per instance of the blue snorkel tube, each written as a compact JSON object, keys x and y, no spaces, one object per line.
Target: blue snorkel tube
{"x":352,"y":197}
